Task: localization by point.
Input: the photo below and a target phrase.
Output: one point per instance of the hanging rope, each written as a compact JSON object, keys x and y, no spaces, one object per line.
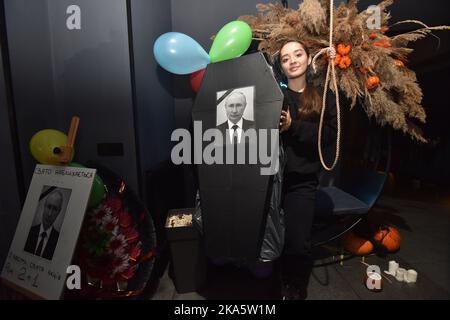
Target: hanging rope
{"x":331,"y":52}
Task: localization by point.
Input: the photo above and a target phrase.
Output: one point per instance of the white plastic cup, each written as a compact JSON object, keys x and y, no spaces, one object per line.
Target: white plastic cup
{"x":401,"y":274}
{"x":393,"y":266}
{"x":411,"y":276}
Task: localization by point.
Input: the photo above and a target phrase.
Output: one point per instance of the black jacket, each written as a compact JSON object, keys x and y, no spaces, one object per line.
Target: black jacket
{"x":246,"y":124}
{"x":300,"y":141}
{"x":32,"y":242}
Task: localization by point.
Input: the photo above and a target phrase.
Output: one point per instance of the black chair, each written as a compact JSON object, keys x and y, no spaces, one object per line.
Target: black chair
{"x":346,"y":195}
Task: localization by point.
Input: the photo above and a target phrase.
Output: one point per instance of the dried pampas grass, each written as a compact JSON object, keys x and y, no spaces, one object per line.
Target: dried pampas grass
{"x":312,"y":16}
{"x":397,"y":99}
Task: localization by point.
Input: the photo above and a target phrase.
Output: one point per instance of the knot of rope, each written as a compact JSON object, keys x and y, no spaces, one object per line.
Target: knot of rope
{"x":331,"y":53}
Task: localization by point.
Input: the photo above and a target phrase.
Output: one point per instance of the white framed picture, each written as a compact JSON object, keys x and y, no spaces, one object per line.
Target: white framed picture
{"x":243,"y":98}
{"x":235,"y":112}
{"x":47,"y":231}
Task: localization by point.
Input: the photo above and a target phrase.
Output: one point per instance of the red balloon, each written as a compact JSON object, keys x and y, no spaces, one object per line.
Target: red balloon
{"x":196,"y":79}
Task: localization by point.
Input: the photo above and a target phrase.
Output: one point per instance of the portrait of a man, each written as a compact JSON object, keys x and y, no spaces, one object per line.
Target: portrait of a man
{"x":235,"y":102}
{"x":43,"y":237}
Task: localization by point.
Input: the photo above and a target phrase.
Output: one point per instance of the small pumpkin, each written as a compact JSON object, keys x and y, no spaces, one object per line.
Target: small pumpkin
{"x":389,"y":238}
{"x":383,"y":43}
{"x":372,"y":82}
{"x":363,"y":70}
{"x":343,"y":49}
{"x":399,"y":63}
{"x":365,"y":46}
{"x":384,"y":29}
{"x":379,"y":44}
{"x":345,"y":62}
{"x":356,"y":245}
{"x":386,"y":43}
{"x":337,"y":59}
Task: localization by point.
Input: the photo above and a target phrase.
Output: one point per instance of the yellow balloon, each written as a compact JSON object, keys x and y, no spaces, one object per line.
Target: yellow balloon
{"x":43,"y":144}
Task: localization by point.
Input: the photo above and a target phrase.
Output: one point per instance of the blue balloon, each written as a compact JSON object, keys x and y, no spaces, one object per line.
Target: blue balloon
{"x":179,"y":53}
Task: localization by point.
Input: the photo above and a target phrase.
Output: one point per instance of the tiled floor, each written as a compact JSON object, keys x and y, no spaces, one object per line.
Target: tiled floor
{"x":424,"y":225}
{"x":425,"y":230}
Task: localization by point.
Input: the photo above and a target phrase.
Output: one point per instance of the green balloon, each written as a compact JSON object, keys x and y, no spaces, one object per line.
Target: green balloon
{"x":231,"y":41}
{"x":98,"y":188}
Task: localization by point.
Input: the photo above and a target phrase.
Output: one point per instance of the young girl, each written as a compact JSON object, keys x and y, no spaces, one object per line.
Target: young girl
{"x":299,"y":125}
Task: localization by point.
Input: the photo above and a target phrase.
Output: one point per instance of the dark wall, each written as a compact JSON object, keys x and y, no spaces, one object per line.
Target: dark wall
{"x":154,"y":102}
{"x":105,"y":73}
{"x":58,"y":73}
{"x":9,"y":189}
{"x":431,"y":62}
{"x":431,"y":12}
{"x":30,"y":55}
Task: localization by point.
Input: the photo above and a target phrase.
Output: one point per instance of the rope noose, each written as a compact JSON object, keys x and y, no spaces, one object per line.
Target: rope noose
{"x":331,"y":51}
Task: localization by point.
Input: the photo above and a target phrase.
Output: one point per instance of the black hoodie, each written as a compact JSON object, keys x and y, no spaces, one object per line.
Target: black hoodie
{"x":300,"y":140}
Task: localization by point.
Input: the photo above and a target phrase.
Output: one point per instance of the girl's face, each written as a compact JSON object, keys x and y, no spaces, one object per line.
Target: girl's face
{"x":294,"y":60}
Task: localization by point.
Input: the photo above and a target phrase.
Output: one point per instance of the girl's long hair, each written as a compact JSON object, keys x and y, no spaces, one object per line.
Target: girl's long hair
{"x":310,"y":102}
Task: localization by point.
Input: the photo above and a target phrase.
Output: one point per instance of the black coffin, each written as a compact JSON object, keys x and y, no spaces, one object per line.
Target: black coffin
{"x":234,"y":196}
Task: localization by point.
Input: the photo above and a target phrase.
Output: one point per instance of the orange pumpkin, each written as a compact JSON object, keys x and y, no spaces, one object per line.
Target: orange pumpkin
{"x":389,"y":238}
{"x":373,"y":36}
{"x":384,"y":29}
{"x":399,"y":63}
{"x":356,"y":245}
{"x":343,"y":49}
{"x":377,"y":44}
{"x":365,"y":70}
{"x":372,"y":82}
{"x":365,"y":46}
{"x":337,"y":59}
{"x":383,"y":42}
{"x":345,"y":62}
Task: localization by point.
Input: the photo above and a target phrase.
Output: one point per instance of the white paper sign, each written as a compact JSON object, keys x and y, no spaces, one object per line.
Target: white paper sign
{"x":48,"y":230}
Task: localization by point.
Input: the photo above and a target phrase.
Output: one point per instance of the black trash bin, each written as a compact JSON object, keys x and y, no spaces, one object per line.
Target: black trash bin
{"x":186,"y":250}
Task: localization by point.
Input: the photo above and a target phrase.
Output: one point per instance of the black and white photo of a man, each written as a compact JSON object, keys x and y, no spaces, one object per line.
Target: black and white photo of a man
{"x":235,"y":103}
{"x":43,"y":237}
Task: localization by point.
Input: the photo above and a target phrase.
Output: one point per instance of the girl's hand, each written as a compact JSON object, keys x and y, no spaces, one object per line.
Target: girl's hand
{"x":285,"y":121}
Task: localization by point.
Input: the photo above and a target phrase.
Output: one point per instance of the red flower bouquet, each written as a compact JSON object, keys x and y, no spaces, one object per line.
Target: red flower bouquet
{"x":117,"y":242}
{"x":111,"y":249}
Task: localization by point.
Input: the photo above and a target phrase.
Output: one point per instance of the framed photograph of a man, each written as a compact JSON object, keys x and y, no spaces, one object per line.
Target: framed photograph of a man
{"x":235,"y":112}
{"x":44,"y":233}
{"x":47,"y":232}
